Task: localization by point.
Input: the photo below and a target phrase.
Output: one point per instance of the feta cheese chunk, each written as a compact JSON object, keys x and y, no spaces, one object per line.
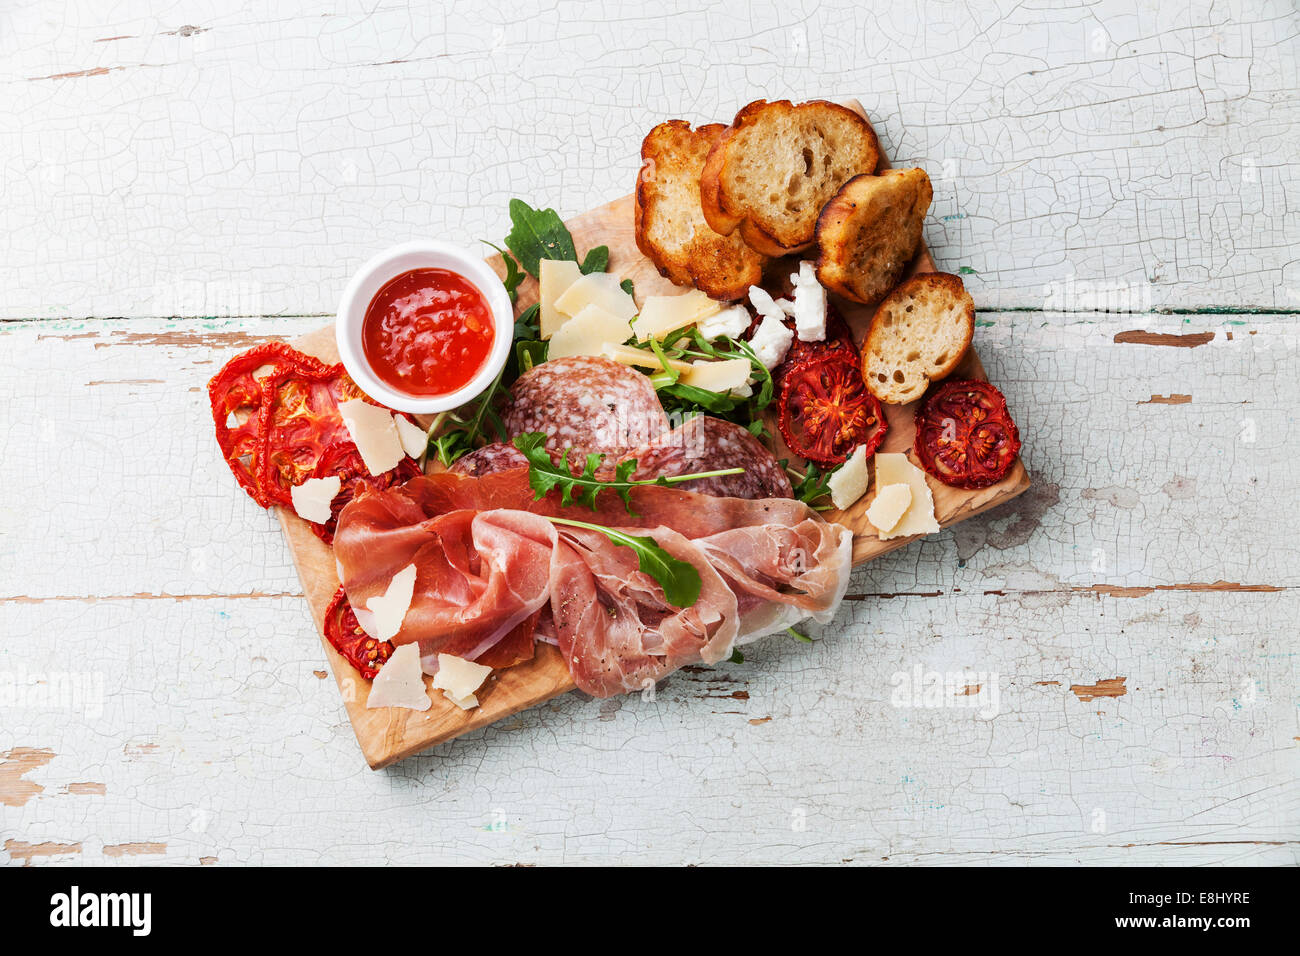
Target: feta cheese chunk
{"x":809,"y":304}
{"x":772,"y":341}
{"x":731,"y":322}
{"x":765,"y":304}
{"x":313,"y":497}
{"x":849,"y":482}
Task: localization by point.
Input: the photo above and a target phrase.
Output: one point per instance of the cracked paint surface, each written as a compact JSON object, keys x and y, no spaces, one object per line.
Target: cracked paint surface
{"x":161,"y":685}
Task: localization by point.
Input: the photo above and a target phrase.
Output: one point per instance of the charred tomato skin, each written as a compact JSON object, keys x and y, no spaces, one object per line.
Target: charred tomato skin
{"x":965,"y":436}
{"x":826,"y":410}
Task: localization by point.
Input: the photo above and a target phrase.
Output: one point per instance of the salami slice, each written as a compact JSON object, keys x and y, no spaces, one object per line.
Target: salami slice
{"x":585,"y":403}
{"x":704,"y":443}
{"x":498,"y":456}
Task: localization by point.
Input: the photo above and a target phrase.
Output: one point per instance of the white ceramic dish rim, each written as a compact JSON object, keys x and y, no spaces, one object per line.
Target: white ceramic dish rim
{"x":387,"y":265}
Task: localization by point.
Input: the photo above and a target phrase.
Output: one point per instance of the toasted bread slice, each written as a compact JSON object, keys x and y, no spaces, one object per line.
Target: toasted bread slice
{"x":777,"y":165}
{"x":917,"y":336}
{"x":869,"y":233}
{"x":670,"y":227}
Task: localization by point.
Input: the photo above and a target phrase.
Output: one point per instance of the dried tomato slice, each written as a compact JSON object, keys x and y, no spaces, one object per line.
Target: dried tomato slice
{"x":301,"y":421}
{"x":826,"y":410}
{"x":362,"y":651}
{"x":344,"y":460}
{"x":237,"y":399}
{"x":965,"y":436}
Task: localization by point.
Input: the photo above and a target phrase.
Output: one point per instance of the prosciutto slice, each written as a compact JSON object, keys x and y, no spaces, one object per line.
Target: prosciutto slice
{"x":492,"y":572}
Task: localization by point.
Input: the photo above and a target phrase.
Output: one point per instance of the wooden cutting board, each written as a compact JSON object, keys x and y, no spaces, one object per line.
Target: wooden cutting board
{"x":387,"y":735}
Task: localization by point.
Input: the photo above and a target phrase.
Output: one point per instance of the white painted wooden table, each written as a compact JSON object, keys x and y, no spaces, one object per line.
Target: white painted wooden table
{"x":180,"y":184}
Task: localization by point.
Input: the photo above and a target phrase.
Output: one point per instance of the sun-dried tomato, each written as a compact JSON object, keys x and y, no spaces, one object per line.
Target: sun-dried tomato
{"x":362,"y":651}
{"x":301,"y":421}
{"x":237,"y":398}
{"x":965,"y":436}
{"x":826,"y":411}
{"x":344,"y":460}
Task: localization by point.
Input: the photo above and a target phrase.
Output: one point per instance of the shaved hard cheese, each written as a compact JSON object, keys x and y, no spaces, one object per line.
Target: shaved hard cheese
{"x":895,"y":469}
{"x":661,"y":314}
{"x":458,"y":679}
{"x":588,"y":332}
{"x":599,"y":289}
{"x":721,"y":376}
{"x":888,"y":507}
{"x":849,"y":482}
{"x":312,"y":498}
{"x":731,"y":322}
{"x":389,"y":609}
{"x":553,"y":280}
{"x":375,"y":435}
{"x":641,"y":358}
{"x":414,"y":439}
{"x":400,"y":682}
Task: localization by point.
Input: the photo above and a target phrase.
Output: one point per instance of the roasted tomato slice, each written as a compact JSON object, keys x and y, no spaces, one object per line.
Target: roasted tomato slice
{"x":344,"y":460}
{"x":301,"y":422}
{"x":362,"y":651}
{"x":965,"y":436}
{"x":839,"y":338}
{"x":237,"y":397}
{"x":826,"y":410}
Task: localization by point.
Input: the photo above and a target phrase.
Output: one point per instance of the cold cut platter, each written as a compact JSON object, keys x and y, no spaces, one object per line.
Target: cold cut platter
{"x":626,"y":443}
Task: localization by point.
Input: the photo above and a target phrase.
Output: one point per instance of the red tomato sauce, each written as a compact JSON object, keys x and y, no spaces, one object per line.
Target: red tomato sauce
{"x":427,"y":332}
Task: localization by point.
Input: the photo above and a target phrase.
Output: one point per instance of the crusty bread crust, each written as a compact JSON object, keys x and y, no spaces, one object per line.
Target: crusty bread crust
{"x":918,"y":334}
{"x":870,"y":231}
{"x":671,"y":230}
{"x":776,"y":166}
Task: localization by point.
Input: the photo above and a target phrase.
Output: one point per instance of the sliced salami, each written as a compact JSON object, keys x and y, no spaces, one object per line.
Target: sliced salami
{"x":586,"y":403}
{"x":704,"y":443}
{"x":498,"y":456}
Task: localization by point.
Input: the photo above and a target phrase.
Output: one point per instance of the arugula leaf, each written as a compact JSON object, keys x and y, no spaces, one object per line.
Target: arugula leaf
{"x":597,"y":260}
{"x":545,"y":475}
{"x":814,"y":484}
{"x":736,"y":657}
{"x":679,"y":579}
{"x":514,"y":275}
{"x":626,"y":286}
{"x":467,"y":428}
{"x":530,"y":353}
{"x":538,"y":234}
{"x":801,"y":638}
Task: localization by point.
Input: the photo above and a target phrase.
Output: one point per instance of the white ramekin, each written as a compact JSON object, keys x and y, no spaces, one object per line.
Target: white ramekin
{"x":391,"y":263}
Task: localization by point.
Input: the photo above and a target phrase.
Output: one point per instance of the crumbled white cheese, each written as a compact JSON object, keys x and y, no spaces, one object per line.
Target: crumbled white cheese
{"x":771,"y":341}
{"x":765,"y":304}
{"x":785,"y":305}
{"x":849,"y":482}
{"x":415,"y":440}
{"x":400,"y":682}
{"x":311,"y":499}
{"x":459,"y":679}
{"x":809,"y":304}
{"x":372,"y":428}
{"x":730,"y":322}
{"x":389,"y":609}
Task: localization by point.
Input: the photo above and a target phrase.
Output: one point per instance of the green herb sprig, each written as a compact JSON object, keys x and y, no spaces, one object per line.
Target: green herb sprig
{"x":545,"y":475}
{"x":679,"y":579}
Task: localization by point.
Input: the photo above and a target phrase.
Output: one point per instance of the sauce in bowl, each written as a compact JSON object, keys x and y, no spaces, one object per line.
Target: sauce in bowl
{"x":427,"y":332}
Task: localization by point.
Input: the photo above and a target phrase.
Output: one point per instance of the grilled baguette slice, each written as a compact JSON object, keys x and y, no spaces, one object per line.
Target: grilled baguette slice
{"x":670,"y":227}
{"x":918,"y":335}
{"x":870,"y":231}
{"x":777,"y":165}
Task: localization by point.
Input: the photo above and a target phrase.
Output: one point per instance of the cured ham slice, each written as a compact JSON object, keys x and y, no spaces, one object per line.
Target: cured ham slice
{"x":492,"y":572}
